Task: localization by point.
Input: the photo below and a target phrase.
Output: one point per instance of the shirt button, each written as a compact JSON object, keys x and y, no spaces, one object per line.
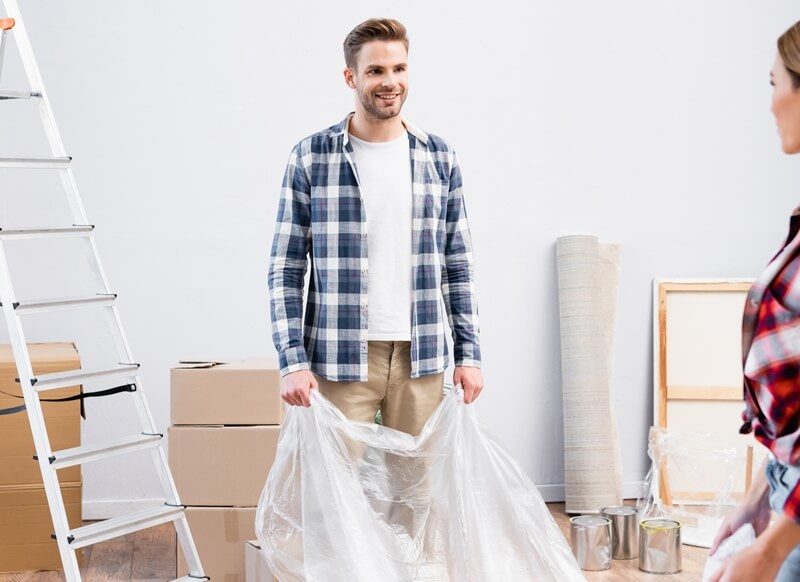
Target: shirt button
{"x":363,"y":235}
{"x":753,"y":302}
{"x":363,"y":307}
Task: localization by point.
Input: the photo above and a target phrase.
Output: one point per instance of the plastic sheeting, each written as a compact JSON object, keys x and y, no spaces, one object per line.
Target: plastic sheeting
{"x":742,"y":538}
{"x":682,"y":461}
{"x":358,"y":502}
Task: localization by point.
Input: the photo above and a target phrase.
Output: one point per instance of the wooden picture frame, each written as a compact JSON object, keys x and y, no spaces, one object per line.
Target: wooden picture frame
{"x":697,"y":375}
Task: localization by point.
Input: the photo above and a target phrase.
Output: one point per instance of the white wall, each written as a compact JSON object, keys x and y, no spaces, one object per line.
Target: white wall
{"x":646,"y":124}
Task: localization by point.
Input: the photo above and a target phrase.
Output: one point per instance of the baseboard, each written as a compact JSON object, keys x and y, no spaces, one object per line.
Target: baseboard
{"x":106,"y":508}
{"x":555,"y":493}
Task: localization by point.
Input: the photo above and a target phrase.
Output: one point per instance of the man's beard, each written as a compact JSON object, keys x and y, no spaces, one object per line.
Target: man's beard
{"x":368,"y":102}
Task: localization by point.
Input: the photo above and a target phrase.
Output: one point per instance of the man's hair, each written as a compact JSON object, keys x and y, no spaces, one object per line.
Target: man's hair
{"x":789,"y":49}
{"x":373,"y":29}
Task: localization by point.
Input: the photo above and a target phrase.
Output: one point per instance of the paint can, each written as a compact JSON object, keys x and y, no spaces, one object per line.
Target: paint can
{"x":590,"y":538}
{"x":624,"y":531}
{"x":660,"y":546}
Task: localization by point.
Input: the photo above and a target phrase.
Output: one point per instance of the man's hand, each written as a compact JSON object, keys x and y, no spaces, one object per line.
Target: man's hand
{"x":471,"y":380}
{"x":295,"y":387}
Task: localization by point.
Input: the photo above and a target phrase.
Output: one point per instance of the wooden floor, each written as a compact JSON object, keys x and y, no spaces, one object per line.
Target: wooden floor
{"x":149,"y":555}
{"x":144,"y":556}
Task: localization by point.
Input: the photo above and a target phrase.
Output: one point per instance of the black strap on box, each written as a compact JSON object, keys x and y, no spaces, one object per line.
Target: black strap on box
{"x":82,"y":396}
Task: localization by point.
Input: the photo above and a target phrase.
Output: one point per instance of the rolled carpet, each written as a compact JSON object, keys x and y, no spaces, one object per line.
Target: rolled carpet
{"x":588,"y":275}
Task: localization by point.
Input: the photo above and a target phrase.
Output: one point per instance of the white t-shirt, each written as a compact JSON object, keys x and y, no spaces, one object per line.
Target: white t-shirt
{"x":384,"y":175}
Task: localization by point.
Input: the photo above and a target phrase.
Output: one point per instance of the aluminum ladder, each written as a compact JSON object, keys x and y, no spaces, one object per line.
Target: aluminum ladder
{"x":32,"y":386}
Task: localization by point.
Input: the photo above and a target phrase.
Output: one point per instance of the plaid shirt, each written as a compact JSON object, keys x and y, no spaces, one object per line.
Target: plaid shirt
{"x":321,"y":214}
{"x":771,"y":333}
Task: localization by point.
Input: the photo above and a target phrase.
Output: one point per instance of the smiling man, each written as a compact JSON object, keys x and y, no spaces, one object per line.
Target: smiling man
{"x":377,"y":205}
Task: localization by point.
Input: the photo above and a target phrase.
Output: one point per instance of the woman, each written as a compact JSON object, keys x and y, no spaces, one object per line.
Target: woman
{"x":771,"y":349}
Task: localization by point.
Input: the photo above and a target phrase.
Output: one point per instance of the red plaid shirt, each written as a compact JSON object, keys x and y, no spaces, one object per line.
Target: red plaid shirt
{"x":772,"y":371}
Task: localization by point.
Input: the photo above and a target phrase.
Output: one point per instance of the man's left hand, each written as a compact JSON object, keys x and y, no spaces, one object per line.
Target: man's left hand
{"x":471,"y":380}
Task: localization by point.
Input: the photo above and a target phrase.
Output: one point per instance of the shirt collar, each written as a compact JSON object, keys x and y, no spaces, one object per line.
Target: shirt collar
{"x":343,"y":126}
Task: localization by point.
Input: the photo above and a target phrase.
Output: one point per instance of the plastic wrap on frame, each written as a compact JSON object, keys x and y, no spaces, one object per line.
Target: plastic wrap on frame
{"x":692,"y":480}
{"x":358,"y":502}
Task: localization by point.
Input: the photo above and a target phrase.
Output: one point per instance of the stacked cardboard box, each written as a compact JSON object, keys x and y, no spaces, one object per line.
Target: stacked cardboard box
{"x":225,"y":425}
{"x":256,"y":569}
{"x":25,"y":521}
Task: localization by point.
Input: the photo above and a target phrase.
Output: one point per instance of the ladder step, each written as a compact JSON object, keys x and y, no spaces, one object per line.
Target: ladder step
{"x":191,"y":578}
{"x":6,"y":94}
{"x":35,"y":162}
{"x":110,"y":448}
{"x":46,"y":232}
{"x":65,"y":303}
{"x":124,"y":524}
{"x":64,"y":379}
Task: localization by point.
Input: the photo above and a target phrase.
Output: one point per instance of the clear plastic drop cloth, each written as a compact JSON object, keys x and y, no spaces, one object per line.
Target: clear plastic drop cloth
{"x":358,"y":502}
{"x":696,"y":479}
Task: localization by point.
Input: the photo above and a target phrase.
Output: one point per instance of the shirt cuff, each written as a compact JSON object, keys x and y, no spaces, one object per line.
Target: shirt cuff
{"x":468,"y":363}
{"x":292,"y":360}
{"x":467,"y":354}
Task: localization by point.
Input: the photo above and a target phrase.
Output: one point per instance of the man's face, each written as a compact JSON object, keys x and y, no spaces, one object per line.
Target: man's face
{"x":381,"y":78}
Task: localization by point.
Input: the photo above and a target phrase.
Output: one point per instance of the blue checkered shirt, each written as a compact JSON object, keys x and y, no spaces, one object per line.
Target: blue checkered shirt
{"x":321,"y":216}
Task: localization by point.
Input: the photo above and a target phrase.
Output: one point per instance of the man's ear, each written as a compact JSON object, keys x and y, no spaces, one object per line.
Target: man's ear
{"x":348,"y":77}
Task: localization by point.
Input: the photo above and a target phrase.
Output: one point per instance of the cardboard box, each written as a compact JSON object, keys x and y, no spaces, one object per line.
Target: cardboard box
{"x":219,"y":534}
{"x":221,"y":465}
{"x":26,"y":526}
{"x":62,"y":419}
{"x":255,"y":566}
{"x":244,"y":392}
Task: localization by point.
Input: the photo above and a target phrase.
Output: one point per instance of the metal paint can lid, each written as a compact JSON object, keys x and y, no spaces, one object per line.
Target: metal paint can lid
{"x":660,"y":524}
{"x":589,"y":521}
{"x":619,"y":510}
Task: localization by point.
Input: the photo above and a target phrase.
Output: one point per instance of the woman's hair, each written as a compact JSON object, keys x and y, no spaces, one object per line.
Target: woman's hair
{"x":369,"y":30}
{"x":789,"y":50}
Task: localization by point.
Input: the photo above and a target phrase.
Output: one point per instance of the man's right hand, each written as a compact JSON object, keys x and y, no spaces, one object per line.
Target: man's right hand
{"x":756,"y":512}
{"x":295,"y":387}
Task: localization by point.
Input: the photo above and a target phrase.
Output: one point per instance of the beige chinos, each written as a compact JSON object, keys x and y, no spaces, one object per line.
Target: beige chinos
{"x":405,"y":403}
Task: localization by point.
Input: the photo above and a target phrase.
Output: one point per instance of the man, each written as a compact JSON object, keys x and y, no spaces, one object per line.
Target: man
{"x":378,"y":205}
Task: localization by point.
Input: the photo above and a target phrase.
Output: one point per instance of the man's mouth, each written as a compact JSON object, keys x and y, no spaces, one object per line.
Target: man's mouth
{"x":388,"y":97}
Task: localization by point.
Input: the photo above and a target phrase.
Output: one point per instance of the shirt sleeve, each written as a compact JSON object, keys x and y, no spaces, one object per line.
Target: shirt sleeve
{"x":779,"y":375}
{"x":458,"y":279}
{"x":288,"y":264}
{"x":791,"y":508}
